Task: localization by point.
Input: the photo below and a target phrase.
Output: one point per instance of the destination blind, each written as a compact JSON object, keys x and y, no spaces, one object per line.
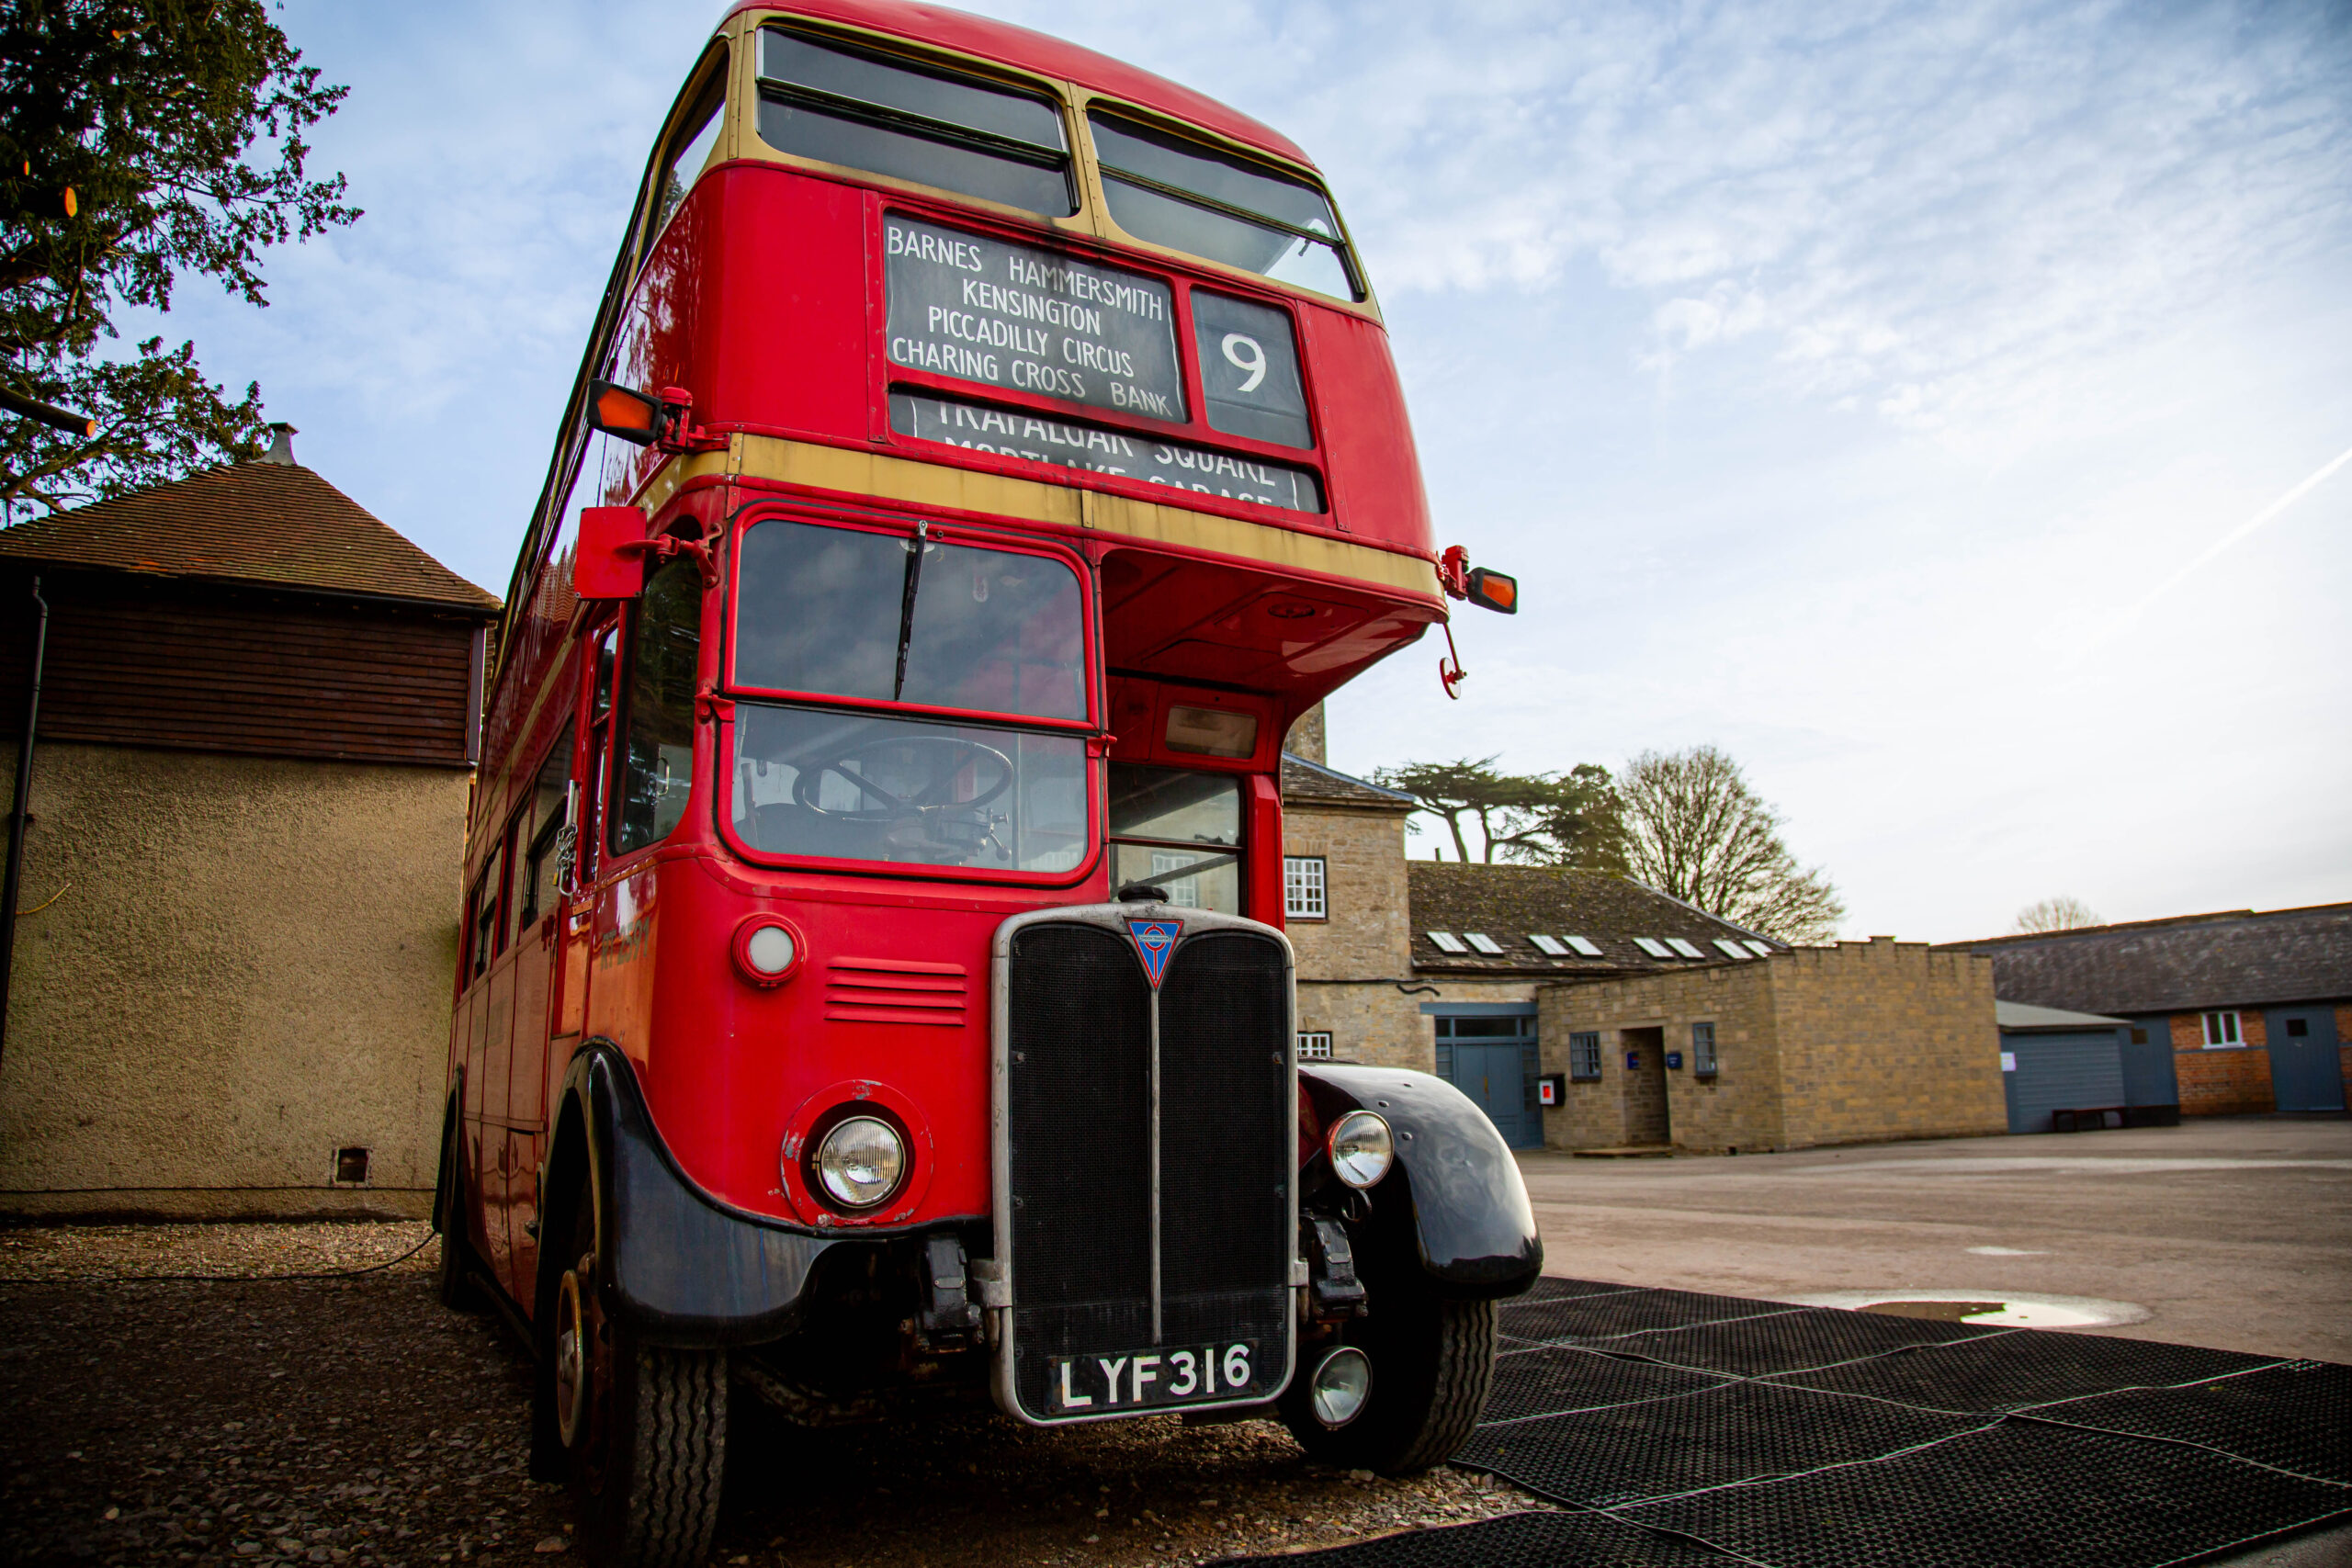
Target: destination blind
{"x":1006,"y":315}
{"x":1017,"y":432}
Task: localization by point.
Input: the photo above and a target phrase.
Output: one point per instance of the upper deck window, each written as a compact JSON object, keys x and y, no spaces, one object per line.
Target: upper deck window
{"x":688,"y":150}
{"x":1174,"y":192}
{"x":866,"y":112}
{"x":844,"y":612}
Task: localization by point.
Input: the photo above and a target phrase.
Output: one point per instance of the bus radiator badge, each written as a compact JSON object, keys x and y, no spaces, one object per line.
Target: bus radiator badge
{"x":1155,"y":940}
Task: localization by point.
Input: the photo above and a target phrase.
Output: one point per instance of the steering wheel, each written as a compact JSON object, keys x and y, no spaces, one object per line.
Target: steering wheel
{"x":954,"y":755}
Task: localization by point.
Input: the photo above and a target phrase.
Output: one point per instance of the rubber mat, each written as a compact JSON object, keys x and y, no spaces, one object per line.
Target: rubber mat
{"x":1619,"y":1312}
{"x":1553,"y":1380}
{"x":1803,"y":1340}
{"x":1681,"y":1428}
{"x":2008,"y":1372}
{"x":2296,"y":1416}
{"x":1737,"y":1431}
{"x":2016,"y":1494}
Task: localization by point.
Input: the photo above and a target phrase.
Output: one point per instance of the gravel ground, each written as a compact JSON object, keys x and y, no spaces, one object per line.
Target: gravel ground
{"x":354,"y":1420}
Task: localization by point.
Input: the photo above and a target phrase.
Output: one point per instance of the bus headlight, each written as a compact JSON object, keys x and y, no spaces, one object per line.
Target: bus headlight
{"x":1361,"y":1149}
{"x":1340,"y":1385}
{"x":860,"y":1161}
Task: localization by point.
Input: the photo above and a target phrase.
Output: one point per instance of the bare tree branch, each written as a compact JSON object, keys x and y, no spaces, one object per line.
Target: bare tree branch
{"x":1696,"y":831}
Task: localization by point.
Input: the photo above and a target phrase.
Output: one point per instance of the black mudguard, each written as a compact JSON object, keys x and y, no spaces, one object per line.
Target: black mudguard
{"x":1471,"y":1223}
{"x":687,"y":1270}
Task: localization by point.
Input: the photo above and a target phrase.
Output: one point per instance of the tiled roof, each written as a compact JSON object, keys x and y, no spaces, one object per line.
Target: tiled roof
{"x":1312,"y":783}
{"x":2236,"y":958}
{"x":1507,"y":903}
{"x":276,"y":525}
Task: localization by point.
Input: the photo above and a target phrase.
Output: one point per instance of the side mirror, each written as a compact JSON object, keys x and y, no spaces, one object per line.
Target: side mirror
{"x":1492,"y":590}
{"x":611,"y":559}
{"x":632,"y":415}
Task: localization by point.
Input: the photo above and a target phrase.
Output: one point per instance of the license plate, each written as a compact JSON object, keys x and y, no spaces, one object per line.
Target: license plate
{"x":1144,"y":1380}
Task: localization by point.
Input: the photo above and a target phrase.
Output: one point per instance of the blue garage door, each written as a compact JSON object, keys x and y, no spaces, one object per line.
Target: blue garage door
{"x":2059,"y":1072}
{"x":2306,"y":1070}
{"x":1491,"y":1056}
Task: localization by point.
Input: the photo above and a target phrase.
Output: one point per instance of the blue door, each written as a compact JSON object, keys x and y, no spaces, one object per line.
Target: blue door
{"x":1492,"y":1060}
{"x":2306,"y":1070}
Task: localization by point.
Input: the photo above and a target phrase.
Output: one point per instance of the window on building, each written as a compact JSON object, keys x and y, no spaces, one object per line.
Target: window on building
{"x":1651,"y":946}
{"x":1761,"y":949}
{"x":2139,"y":1037}
{"x":1303,"y":890}
{"x":1446,"y":941}
{"x":1484,"y":942}
{"x":1585,"y":946}
{"x":1547,"y":945}
{"x":1683,"y":948}
{"x":1730,"y":949}
{"x":1702,"y":1049}
{"x":1314,"y":1045}
{"x":1584,"y":1054}
{"x":2298,"y":1028}
{"x":2221,"y":1031}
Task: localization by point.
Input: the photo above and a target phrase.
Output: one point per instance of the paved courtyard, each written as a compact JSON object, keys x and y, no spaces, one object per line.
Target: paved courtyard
{"x":2233,"y":1233}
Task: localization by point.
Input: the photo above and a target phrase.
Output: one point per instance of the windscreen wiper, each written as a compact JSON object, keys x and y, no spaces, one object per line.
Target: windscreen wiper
{"x":907,"y":605}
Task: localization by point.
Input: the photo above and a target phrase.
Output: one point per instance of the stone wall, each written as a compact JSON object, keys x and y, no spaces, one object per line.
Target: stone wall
{"x":1350,"y":962}
{"x":1861,"y":1043}
{"x":244,"y":965}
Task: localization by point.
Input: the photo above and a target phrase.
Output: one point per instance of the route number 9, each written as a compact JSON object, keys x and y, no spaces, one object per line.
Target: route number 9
{"x":1245,"y":353}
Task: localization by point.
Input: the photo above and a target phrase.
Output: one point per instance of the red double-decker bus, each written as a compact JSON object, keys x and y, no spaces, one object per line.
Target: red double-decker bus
{"x":873,"y":993}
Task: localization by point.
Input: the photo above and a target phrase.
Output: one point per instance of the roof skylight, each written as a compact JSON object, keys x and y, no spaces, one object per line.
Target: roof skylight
{"x":1446,"y":941}
{"x":1684,"y":948}
{"x":1730,"y":949}
{"x":1651,"y":946}
{"x":1548,"y":944}
{"x":1761,"y":949}
{"x":1584,"y":946}
{"x":1484,"y":942}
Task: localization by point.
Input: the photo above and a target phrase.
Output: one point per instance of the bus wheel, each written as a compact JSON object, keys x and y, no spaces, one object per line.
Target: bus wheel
{"x":458,"y":1289}
{"x":1432,"y":1360}
{"x":645,"y":1427}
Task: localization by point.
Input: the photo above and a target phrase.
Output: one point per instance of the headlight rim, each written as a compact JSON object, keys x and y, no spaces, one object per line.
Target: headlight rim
{"x":1340,"y":1168}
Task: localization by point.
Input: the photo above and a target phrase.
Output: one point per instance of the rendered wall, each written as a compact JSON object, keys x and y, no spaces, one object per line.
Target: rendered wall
{"x":248,"y":967}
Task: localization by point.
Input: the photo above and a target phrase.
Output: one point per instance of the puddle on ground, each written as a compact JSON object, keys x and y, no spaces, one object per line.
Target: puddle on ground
{"x":1991,"y":1309}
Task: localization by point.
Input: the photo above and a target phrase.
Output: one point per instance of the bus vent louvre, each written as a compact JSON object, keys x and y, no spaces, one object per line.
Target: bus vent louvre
{"x":883,"y":990}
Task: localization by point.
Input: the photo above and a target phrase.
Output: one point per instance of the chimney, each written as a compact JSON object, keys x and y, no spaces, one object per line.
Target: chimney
{"x":281,"y":447}
{"x":1305,"y":736}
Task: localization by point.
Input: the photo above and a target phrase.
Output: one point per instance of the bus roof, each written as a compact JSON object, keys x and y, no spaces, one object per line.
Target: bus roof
{"x":1045,"y":56}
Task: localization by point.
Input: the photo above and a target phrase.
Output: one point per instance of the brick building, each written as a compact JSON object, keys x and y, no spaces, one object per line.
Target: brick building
{"x":2230,"y":1013}
{"x":1657,"y":1023}
{"x":229,"y":993}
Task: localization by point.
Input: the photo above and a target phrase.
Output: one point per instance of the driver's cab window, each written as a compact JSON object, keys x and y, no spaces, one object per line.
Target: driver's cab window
{"x":657,"y":719}
{"x":1178,"y":830}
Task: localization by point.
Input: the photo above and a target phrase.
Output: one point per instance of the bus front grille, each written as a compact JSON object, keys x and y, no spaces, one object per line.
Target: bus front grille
{"x":1093,"y":1279}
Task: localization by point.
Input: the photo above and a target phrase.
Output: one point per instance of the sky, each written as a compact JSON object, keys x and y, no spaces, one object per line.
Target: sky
{"x":1945,"y":409}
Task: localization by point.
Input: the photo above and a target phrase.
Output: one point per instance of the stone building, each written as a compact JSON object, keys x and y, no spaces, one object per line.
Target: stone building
{"x":2232,"y":1013}
{"x":229,"y":993}
{"x":1650,"y":1024}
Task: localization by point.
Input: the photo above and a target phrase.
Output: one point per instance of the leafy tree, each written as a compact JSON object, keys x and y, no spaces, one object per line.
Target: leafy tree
{"x":1695,"y":830}
{"x":140,"y":140}
{"x":1568,"y":819}
{"x":2063,"y":913}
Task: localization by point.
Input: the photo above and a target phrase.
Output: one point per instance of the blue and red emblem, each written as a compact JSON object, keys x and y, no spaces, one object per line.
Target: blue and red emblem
{"x":1155,"y":940}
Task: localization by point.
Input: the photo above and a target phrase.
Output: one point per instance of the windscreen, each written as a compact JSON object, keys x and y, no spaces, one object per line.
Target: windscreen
{"x":856,"y":787}
{"x":845,"y":613}
{"x":1181,"y":194}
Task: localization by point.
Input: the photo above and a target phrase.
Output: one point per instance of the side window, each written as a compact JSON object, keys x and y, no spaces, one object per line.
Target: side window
{"x":1177,"y":830}
{"x":482,"y":931}
{"x":1584,"y":1054}
{"x":1315,"y":1045}
{"x":688,"y":150}
{"x":536,"y":891}
{"x":1702,"y":1049}
{"x":657,"y":718}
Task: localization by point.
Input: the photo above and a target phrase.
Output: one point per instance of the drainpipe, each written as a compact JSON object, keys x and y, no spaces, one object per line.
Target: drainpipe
{"x":16,"y":811}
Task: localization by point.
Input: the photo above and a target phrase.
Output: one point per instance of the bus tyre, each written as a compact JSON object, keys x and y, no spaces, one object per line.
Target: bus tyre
{"x":645,"y":1427}
{"x":1432,"y":1360}
{"x":458,"y":1289}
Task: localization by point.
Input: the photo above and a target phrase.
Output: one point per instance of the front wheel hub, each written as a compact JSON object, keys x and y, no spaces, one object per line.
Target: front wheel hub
{"x":572,"y":1358}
